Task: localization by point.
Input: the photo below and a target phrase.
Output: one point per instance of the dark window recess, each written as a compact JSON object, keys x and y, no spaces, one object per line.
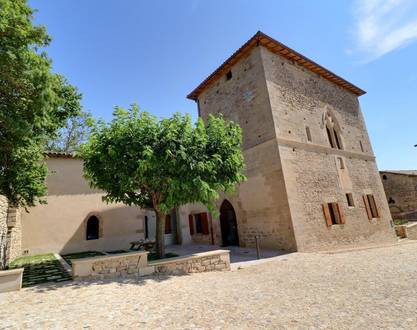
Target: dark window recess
{"x":384,"y":177}
{"x":93,"y":225}
{"x":308,"y":134}
{"x":330,"y":137}
{"x":341,"y":163}
{"x":229,"y":75}
{"x":349,"y":198}
{"x":198,"y":223}
{"x":146,"y":225}
{"x":361,"y":145}
{"x":336,"y":137}
{"x":168,"y":229}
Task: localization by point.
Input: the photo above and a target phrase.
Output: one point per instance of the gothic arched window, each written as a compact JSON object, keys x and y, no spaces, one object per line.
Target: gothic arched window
{"x":333,"y":132}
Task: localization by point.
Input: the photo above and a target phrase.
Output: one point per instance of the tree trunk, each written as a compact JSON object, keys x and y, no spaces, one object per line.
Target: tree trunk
{"x":160,"y":234}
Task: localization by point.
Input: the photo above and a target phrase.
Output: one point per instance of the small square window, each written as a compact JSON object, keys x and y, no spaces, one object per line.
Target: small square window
{"x":341,"y":163}
{"x":229,"y":75}
{"x":308,"y":134}
{"x":349,"y":198}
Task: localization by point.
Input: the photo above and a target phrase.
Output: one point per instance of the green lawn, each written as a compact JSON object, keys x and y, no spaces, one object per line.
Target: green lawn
{"x":87,"y":254}
{"x":40,"y":269}
{"x":152,"y":256}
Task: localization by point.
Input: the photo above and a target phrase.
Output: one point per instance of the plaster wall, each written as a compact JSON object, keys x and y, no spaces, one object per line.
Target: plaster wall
{"x":60,"y":226}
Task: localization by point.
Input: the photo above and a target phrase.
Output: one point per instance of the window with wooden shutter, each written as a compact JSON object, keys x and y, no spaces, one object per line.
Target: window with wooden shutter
{"x":341,"y":214}
{"x":204,"y":223}
{"x":367,"y":207}
{"x":333,"y":214}
{"x":372,"y":205}
{"x":191,"y":224}
{"x":327,"y":215}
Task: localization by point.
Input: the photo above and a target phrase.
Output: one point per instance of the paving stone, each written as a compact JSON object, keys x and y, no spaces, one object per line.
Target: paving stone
{"x":367,"y":289}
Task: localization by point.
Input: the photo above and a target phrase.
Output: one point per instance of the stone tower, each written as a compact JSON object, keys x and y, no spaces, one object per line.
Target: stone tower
{"x":313,"y":182}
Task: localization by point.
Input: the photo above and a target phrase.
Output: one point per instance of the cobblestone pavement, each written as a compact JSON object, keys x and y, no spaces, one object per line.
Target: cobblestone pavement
{"x":368,"y":289}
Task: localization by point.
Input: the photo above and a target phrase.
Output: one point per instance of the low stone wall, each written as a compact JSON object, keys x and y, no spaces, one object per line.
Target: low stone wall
{"x":412,"y":231}
{"x":3,"y":230}
{"x":109,"y":266}
{"x":136,"y":263}
{"x":218,"y":260}
{"x":401,"y":231}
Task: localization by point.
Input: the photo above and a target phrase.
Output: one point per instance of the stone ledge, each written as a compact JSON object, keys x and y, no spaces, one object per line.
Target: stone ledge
{"x":109,"y":257}
{"x":11,"y":272}
{"x":189,"y":257}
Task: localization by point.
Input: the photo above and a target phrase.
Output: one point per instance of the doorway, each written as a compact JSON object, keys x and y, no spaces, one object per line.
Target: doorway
{"x":228,"y":224}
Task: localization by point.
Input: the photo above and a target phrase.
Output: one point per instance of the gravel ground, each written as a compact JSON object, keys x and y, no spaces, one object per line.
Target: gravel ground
{"x":368,"y":289}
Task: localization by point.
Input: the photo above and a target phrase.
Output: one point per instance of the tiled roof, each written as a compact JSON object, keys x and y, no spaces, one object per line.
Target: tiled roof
{"x":261,"y":39}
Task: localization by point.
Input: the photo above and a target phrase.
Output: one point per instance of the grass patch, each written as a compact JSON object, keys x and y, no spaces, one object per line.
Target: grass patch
{"x":80,"y":255}
{"x":153,"y":256}
{"x":398,"y":222}
{"x":117,"y":251}
{"x":40,"y":269}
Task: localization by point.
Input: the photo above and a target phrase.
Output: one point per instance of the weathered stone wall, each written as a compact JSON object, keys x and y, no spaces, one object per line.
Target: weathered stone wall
{"x":300,"y":99}
{"x":109,"y":266}
{"x":136,"y":263}
{"x":401,"y":192}
{"x":289,"y":177}
{"x":15,"y":234}
{"x":260,"y":204}
{"x":201,"y":262}
{"x":3,"y":230}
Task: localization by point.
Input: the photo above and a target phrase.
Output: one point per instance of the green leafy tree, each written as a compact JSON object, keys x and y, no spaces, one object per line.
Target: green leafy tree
{"x":162,"y":164}
{"x":34,"y":103}
{"x":75,"y":132}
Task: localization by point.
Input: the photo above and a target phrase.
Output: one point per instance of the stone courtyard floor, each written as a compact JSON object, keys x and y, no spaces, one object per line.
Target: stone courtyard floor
{"x":365,"y":289}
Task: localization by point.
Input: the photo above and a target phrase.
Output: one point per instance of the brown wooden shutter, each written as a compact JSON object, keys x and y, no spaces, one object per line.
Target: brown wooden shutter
{"x":204,"y":223}
{"x":327,"y":215}
{"x":341,"y":214}
{"x":168,"y":224}
{"x":372,"y":204}
{"x":367,"y":207}
{"x":191,"y":224}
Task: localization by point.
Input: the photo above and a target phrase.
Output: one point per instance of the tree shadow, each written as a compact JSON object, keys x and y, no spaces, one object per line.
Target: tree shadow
{"x":133,"y":279}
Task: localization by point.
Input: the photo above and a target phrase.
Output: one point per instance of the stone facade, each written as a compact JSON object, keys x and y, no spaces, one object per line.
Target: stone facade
{"x":292,"y":169}
{"x":135,"y":263}
{"x":10,"y":233}
{"x":198,"y":263}
{"x":401,"y":191}
{"x":3,"y":230}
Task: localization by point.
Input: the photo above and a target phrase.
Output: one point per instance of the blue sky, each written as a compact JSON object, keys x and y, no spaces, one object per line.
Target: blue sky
{"x":155,"y":52}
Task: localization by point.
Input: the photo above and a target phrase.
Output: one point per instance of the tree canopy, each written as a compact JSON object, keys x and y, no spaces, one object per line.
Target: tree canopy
{"x":75,"y":132}
{"x":34,"y":103}
{"x":161,"y":164}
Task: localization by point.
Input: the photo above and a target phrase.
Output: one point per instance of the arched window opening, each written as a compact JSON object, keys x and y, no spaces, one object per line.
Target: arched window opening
{"x":333,"y":132}
{"x":93,"y":225}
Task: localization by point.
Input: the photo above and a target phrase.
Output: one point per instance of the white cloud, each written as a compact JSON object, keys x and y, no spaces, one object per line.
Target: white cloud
{"x":382,"y":26}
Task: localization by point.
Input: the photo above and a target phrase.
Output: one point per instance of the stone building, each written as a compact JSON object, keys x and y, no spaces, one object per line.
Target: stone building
{"x":313,"y":183}
{"x":401,"y":191}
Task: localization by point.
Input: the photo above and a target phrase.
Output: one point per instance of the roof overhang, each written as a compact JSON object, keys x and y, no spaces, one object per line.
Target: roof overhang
{"x":261,"y":39}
